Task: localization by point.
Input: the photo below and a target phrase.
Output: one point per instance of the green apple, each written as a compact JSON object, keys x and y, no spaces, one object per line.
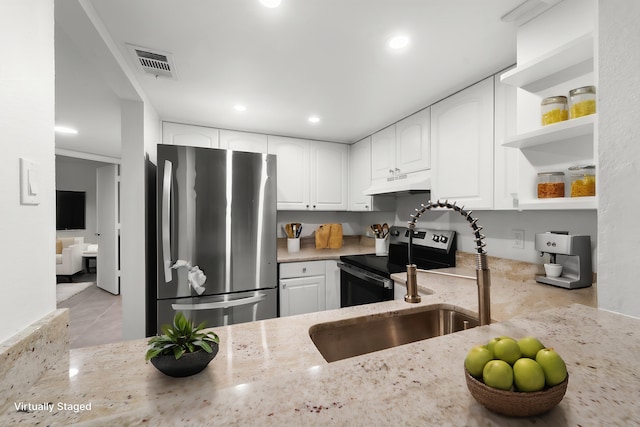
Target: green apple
{"x":528,"y":375}
{"x":492,"y":343}
{"x":529,"y":346}
{"x":508,"y":350}
{"x":555,"y":370}
{"x":498,"y":374}
{"x":477,"y":357}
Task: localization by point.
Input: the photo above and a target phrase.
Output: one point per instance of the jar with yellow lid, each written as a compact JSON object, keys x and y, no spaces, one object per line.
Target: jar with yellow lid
{"x":583,"y":181}
{"x":583,"y":101}
{"x":554,"y":110}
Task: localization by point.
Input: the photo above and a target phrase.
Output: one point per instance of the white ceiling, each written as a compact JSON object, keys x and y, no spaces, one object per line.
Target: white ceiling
{"x":322,"y":57}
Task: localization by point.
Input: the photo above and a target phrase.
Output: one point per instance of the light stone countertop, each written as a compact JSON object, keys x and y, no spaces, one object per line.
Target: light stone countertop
{"x":269,"y":372}
{"x":353,"y":245}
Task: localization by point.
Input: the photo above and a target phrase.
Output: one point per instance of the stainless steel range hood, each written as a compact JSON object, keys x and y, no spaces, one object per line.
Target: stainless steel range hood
{"x":417,"y":182}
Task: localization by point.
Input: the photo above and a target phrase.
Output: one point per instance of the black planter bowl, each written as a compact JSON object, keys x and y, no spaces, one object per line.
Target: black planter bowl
{"x":188,"y":364}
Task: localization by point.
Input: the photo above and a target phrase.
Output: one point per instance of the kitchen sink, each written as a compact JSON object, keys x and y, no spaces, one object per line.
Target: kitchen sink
{"x":346,"y":338}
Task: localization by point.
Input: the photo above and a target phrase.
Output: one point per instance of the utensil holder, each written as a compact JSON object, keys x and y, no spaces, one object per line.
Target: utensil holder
{"x":381,"y":247}
{"x":293,"y":245}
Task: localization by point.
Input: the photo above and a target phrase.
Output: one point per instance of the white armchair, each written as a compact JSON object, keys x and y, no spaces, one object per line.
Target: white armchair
{"x":69,"y":260}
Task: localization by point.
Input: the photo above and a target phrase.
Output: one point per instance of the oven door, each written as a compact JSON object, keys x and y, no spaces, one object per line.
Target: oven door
{"x":358,"y":286}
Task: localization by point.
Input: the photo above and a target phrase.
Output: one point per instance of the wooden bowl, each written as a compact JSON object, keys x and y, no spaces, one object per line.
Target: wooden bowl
{"x":516,"y":403}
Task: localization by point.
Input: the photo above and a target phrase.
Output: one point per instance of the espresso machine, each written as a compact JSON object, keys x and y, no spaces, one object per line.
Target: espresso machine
{"x":572,"y":252}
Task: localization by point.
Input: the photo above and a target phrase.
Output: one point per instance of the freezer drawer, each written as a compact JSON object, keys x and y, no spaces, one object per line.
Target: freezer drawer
{"x":220,"y":310}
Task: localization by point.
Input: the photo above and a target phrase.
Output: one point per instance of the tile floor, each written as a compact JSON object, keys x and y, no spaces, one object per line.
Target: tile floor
{"x":95,"y":315}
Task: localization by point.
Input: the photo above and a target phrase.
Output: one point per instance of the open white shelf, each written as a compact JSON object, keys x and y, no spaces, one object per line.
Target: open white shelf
{"x":552,"y":133}
{"x":561,"y":64}
{"x":559,"y":203}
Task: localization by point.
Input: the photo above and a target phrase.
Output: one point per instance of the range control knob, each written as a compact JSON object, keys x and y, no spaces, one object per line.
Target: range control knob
{"x":444,"y":239}
{"x":435,"y":238}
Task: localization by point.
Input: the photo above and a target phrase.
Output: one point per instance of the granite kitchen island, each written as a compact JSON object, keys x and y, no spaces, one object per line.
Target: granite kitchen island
{"x":270,"y":373}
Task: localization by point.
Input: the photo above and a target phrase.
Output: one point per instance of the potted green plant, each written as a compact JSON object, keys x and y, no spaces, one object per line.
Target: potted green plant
{"x":182,"y":349}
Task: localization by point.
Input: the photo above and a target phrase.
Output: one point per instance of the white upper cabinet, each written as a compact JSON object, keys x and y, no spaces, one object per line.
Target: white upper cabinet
{"x":243,"y":141}
{"x":312,"y":175}
{"x":359,"y":175}
{"x":383,"y":153}
{"x":360,"y":180}
{"x":293,"y":171}
{"x":329,"y":175}
{"x":462,"y":147}
{"x":402,"y":148}
{"x":505,"y":159}
{"x":190,"y":135}
{"x":413,"y":148}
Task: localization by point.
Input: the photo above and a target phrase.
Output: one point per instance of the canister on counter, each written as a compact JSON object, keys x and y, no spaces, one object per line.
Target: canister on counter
{"x":583,"y":180}
{"x":550,"y":184}
{"x":554,"y":109}
{"x":583,"y":101}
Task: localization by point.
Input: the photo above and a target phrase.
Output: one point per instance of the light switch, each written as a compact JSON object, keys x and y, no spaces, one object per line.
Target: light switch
{"x":29,"y":182}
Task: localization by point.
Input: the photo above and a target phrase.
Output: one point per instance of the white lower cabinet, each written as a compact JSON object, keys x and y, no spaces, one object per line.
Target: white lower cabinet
{"x":302,"y":287}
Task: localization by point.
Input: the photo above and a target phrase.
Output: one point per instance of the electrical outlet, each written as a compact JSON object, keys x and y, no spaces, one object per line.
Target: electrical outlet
{"x":518,"y":239}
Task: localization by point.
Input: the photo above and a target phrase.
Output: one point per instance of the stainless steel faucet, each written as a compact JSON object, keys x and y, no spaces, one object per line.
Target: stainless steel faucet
{"x":483,"y":279}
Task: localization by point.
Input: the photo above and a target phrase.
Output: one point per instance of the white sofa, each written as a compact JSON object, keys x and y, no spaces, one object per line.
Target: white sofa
{"x":69,"y":255}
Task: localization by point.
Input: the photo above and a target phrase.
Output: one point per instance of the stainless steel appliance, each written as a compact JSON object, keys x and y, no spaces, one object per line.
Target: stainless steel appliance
{"x":367,"y":278}
{"x":216,"y":218}
{"x":572,"y":252}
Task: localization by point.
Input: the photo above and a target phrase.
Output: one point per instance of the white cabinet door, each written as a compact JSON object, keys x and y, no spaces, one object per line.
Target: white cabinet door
{"x":293,"y":171}
{"x":329,"y":175}
{"x":359,"y":175}
{"x":505,"y":159}
{"x":462,"y":144}
{"x":243,"y":141}
{"x":190,"y":135}
{"x":332,"y":275}
{"x":413,"y":148}
{"x":383,"y":153}
{"x":302,"y":295}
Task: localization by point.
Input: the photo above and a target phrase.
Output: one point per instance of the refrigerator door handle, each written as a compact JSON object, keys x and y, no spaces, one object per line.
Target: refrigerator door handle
{"x":221,"y":304}
{"x":166,"y":220}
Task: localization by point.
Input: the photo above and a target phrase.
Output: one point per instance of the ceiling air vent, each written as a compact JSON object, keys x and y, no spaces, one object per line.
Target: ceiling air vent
{"x":157,"y":63}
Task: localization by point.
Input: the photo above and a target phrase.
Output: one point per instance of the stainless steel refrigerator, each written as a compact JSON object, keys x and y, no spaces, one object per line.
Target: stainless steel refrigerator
{"x":216,"y":218}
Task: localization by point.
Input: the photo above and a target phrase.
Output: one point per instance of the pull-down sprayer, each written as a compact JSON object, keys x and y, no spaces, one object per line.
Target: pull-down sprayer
{"x":483,"y":279}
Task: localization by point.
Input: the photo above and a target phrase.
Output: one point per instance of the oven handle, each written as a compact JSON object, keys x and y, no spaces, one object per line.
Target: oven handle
{"x":377,"y":280}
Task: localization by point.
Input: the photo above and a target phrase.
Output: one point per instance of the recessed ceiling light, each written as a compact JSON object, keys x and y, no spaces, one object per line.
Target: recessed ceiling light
{"x":398,"y":42}
{"x":314,"y":119}
{"x":239,"y":107}
{"x":63,"y":129}
{"x":270,"y":3}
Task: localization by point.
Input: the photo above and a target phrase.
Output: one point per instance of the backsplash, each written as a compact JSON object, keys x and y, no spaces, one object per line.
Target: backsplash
{"x":498,"y":226}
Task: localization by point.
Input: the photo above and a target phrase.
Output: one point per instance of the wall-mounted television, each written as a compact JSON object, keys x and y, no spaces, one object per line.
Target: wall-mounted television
{"x":70,"y":210}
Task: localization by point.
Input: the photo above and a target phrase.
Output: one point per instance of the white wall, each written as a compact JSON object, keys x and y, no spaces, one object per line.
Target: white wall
{"x":27,"y":291}
{"x":619,"y":152}
{"x":79,"y":175}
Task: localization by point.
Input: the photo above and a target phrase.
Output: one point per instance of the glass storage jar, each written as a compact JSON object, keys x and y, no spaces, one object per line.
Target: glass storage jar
{"x":550,"y":184}
{"x":583,"y":181}
{"x":583,"y":101}
{"x":554,"y":109}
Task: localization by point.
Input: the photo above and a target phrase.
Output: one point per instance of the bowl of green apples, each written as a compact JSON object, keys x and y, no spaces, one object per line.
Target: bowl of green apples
{"x":518,"y":378}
